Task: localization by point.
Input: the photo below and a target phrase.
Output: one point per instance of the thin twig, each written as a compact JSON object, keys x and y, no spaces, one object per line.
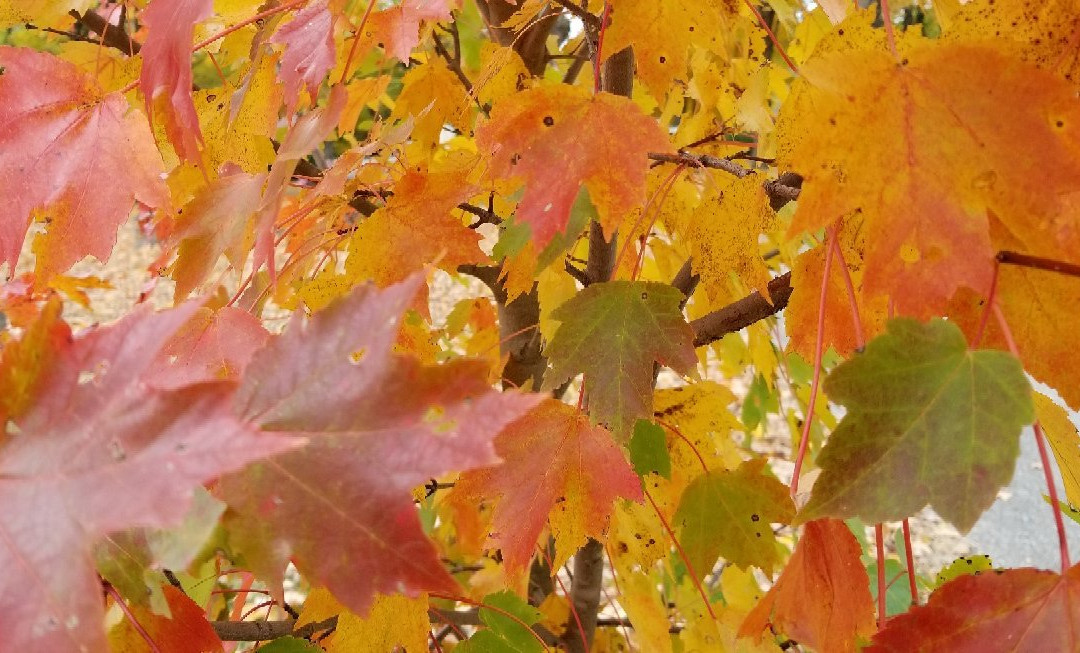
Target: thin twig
{"x":1039,"y":263}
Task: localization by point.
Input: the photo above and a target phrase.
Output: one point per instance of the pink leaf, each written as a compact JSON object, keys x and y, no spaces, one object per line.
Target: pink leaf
{"x":59,"y":136}
{"x":166,"y":69}
{"x":309,"y":51}
{"x":378,"y":425}
{"x":101,"y":452}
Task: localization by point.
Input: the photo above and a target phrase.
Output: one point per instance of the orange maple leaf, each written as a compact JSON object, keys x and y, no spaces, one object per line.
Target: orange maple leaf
{"x":822,"y":598}
{"x":963,"y":130}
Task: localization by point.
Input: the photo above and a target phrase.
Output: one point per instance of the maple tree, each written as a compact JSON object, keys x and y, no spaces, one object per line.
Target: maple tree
{"x":678,"y":225}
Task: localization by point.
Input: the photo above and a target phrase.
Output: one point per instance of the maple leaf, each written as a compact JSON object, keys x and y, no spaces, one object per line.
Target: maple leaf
{"x":415,"y":228}
{"x":724,"y":237}
{"x":1064,"y":438}
{"x":613,"y":332}
{"x":101,"y":452}
{"x":1018,"y":609}
{"x":166,"y":69}
{"x":928,"y":421}
{"x":309,"y":51}
{"x":953,"y":114}
{"x":826,"y":569}
{"x":217,"y":221}
{"x":60,"y":137}
{"x":396,"y":29}
{"x":1042,"y":29}
{"x":558,"y":138}
{"x":557,"y":468}
{"x":211,"y":346}
{"x":661,"y":33}
{"x":378,"y":425}
{"x":394,"y":621}
{"x":237,"y":121}
{"x":184,"y":630}
{"x":729,"y":513}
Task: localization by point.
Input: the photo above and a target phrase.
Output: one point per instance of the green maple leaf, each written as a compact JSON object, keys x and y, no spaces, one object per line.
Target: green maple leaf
{"x":729,"y":514}
{"x":613,"y":332}
{"x":929,"y":421}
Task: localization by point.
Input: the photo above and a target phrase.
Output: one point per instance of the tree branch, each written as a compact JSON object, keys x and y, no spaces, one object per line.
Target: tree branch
{"x":591,"y":21}
{"x":253,"y":631}
{"x":112,"y":36}
{"x":742,"y":313}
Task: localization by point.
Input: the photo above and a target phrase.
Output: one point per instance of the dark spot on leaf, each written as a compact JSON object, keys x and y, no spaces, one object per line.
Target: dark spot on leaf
{"x":1060,"y":124}
{"x":663,"y":59}
{"x":754,"y":518}
{"x":211,"y":97}
{"x":691,"y":28}
{"x":840,"y":32}
{"x":757,"y":534}
{"x":514,"y":159}
{"x":637,"y":535}
{"x":220,"y":106}
{"x":644,"y":295}
{"x":549,"y":121}
{"x":623,"y":548}
{"x":651,"y":541}
{"x":904,"y":62}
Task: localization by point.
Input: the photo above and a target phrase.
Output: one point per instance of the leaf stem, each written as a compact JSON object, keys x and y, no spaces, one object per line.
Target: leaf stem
{"x":818,"y":347}
{"x":772,"y":37}
{"x":990,"y":297}
{"x":119,"y":600}
{"x":882,"y":588}
{"x":676,"y":431}
{"x":910,"y":563}
{"x":682,"y":553}
{"x":1040,"y":440}
{"x":356,"y":41}
{"x":890,"y":34}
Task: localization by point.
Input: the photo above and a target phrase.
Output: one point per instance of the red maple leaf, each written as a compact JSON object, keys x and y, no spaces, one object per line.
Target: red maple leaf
{"x":184,"y":630}
{"x":559,"y":468}
{"x":309,"y":51}
{"x":103,"y":451}
{"x":558,"y":138}
{"x":1006,"y":609}
{"x":59,"y":138}
{"x":378,"y":425}
{"x":166,"y":69}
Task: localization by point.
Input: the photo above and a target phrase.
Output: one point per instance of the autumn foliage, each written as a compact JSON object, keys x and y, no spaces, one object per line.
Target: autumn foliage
{"x":520,"y":326}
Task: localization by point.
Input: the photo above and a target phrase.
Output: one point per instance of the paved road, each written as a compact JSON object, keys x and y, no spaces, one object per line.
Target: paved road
{"x":1019,"y":530}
